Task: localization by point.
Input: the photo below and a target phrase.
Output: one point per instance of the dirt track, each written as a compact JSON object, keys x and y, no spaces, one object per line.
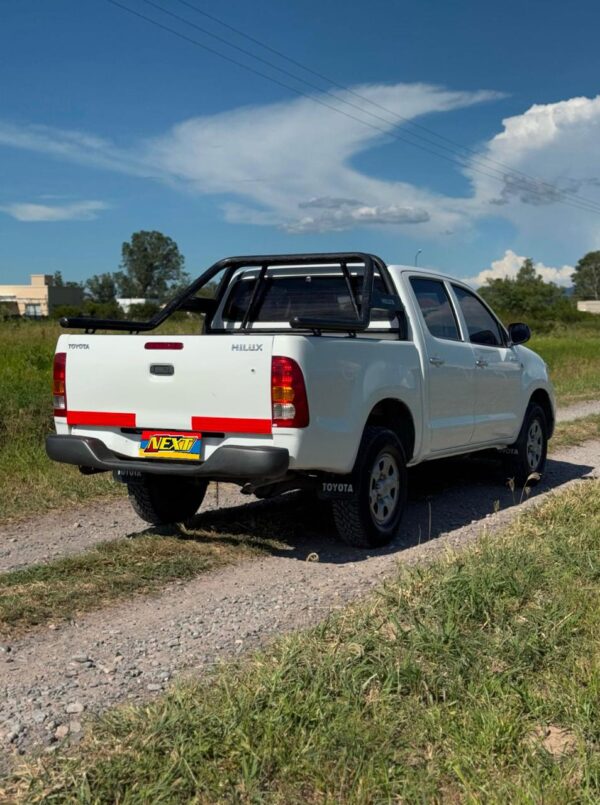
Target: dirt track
{"x":128,"y":653}
{"x":41,"y":539}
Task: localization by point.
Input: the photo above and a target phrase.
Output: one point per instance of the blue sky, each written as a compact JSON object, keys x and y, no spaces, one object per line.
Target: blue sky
{"x":109,"y":125}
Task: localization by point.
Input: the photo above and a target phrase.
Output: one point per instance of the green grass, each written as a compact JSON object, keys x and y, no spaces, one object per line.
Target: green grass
{"x":30,"y":483}
{"x":437,"y":689}
{"x":577,"y":431}
{"x":574,"y":361}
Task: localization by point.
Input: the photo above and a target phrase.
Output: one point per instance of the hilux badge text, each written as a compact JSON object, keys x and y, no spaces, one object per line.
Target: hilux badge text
{"x":246,"y":347}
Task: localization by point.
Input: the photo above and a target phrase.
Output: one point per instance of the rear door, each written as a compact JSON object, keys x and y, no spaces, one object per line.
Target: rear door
{"x":498,"y":376}
{"x":449,"y":367}
{"x":206,"y":383}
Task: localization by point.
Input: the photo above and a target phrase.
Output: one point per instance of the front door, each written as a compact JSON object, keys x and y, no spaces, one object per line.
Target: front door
{"x":498,"y":376}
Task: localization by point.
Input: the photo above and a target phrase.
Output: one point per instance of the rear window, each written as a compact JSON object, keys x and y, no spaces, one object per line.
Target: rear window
{"x":283,"y":297}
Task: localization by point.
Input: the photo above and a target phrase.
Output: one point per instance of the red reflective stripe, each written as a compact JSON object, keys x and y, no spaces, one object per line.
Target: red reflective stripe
{"x":109,"y":418}
{"x":163,"y":345}
{"x":231,"y":425}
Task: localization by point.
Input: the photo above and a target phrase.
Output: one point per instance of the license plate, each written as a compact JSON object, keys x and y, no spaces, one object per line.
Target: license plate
{"x":167,"y":444}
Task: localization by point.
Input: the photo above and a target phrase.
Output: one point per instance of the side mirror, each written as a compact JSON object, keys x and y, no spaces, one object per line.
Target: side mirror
{"x":519,"y":333}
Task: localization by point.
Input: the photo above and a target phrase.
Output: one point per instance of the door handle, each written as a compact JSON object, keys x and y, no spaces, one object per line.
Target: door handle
{"x":481,"y":363}
{"x":437,"y":361}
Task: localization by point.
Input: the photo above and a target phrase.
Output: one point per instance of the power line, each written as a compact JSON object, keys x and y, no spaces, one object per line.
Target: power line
{"x":583,"y":204}
{"x":579,"y":204}
{"x":455,"y":145}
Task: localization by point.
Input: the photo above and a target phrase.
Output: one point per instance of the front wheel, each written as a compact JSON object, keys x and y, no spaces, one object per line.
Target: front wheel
{"x":526,"y":458}
{"x":165,"y":499}
{"x":372,"y":517}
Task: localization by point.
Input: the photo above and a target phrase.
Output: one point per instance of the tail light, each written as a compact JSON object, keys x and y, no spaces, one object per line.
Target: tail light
{"x":59,"y":380}
{"x":288,"y":394}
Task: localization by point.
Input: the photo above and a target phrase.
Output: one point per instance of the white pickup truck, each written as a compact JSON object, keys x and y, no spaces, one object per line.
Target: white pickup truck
{"x":327,"y":372}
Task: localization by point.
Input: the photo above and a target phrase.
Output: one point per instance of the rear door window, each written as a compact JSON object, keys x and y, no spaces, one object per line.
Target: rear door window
{"x":436,"y":308}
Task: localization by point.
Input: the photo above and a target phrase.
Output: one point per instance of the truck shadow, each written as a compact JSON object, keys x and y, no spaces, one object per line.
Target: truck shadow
{"x":443,"y":495}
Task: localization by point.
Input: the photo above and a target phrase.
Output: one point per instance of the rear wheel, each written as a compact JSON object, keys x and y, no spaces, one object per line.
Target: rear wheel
{"x":163,"y":499}
{"x":372,"y":518}
{"x":526,"y":458}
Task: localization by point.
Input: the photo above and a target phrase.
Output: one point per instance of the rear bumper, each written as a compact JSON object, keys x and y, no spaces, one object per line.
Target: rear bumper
{"x":227,"y":463}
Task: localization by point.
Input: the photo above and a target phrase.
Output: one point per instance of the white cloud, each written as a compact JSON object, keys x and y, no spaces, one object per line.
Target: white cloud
{"x":76,"y":211}
{"x":279,"y":158}
{"x":543,"y":157}
{"x":75,"y":146}
{"x":292,"y":156}
{"x":339,"y":214}
{"x":508,"y":267}
{"x":290,"y":165}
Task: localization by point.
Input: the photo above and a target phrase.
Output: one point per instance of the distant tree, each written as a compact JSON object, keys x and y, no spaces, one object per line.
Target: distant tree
{"x":58,"y":281}
{"x":101,"y":288}
{"x":586,"y":278}
{"x":152,"y":267}
{"x":527,"y":295}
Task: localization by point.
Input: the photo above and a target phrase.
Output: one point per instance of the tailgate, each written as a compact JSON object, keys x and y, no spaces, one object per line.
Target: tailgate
{"x":205,"y":383}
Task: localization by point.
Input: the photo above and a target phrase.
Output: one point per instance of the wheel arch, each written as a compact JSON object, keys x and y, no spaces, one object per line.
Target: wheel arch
{"x":542,"y":398}
{"x":397,"y":416}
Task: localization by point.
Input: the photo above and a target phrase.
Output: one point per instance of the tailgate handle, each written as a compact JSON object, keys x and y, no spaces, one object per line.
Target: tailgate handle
{"x":162,"y":369}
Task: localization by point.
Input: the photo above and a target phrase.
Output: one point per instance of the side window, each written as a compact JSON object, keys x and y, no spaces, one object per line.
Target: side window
{"x":436,"y":308}
{"x":482,"y":326}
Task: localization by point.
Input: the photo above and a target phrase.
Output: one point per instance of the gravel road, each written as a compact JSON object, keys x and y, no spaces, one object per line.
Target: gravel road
{"x":41,"y":539}
{"x":53,"y":677}
{"x":65,"y":533}
{"x":577,"y":410}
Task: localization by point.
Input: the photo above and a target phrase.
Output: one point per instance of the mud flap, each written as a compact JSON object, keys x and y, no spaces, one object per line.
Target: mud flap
{"x":336,"y":487}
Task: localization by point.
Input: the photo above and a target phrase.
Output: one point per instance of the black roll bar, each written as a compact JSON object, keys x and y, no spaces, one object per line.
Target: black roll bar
{"x":359,"y":323}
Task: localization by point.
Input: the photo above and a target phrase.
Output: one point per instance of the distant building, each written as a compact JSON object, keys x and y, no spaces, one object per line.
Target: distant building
{"x":589,"y":306}
{"x":126,"y":304}
{"x":40,"y":298}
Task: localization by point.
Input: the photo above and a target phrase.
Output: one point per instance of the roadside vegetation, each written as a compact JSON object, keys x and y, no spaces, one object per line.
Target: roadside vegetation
{"x":31,"y":484}
{"x":578,"y":431}
{"x":474,"y":678}
{"x":573,"y":355}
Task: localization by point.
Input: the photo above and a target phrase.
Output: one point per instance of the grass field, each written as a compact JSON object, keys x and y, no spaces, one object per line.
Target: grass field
{"x":574,"y":361}
{"x":473,"y":679}
{"x":30,"y":483}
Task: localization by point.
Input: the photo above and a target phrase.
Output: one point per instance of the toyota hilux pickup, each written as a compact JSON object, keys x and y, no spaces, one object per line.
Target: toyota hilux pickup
{"x":323,"y":372}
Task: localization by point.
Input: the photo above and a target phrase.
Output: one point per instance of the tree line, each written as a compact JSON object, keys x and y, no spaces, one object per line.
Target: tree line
{"x":530,"y":297}
{"x":152,"y":269}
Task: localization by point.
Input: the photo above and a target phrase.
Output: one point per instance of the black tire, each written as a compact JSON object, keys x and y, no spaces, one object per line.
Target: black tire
{"x":525,"y":460}
{"x":356,"y":519}
{"x":164,"y":499}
